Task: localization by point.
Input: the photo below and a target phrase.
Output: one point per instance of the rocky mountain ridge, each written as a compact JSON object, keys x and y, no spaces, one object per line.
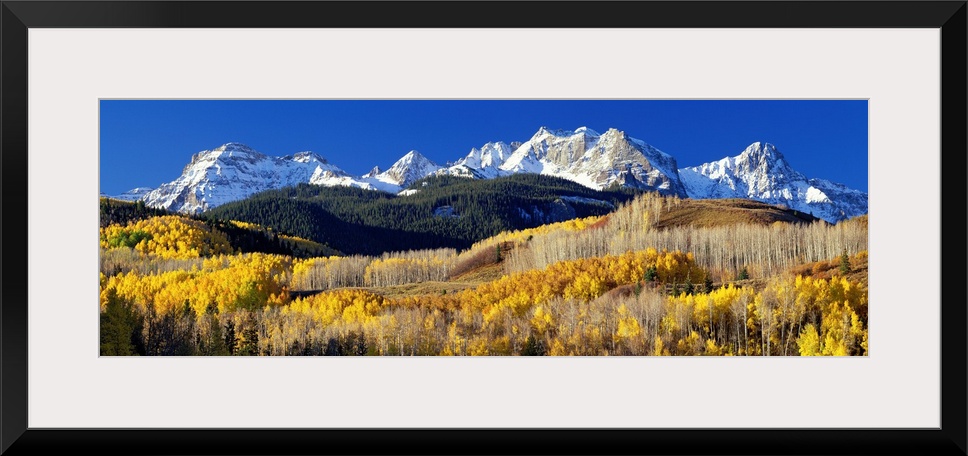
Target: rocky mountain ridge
{"x":234,"y":171}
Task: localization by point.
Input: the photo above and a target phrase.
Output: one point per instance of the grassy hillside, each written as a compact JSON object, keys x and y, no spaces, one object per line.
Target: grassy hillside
{"x":719,"y":212}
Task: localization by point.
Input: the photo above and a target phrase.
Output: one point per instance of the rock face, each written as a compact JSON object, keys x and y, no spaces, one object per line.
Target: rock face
{"x":597,"y":160}
{"x":408,"y":169}
{"x":234,"y":171}
{"x":487,"y":161}
{"x":762,"y":173}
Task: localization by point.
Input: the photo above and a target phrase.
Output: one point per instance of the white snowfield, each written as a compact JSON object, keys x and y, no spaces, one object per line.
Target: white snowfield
{"x":234,"y":171}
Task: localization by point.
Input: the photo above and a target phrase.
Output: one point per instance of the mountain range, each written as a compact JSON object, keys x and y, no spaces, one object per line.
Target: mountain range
{"x":234,"y":171}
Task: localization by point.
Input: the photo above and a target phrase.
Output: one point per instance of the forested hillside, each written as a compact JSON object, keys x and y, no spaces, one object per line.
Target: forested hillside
{"x":647,"y":277}
{"x":167,"y":234}
{"x":439,"y":212}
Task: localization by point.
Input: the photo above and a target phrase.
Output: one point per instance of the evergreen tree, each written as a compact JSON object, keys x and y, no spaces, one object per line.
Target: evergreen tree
{"x":743,"y":274}
{"x":249,"y":344}
{"x":333,"y":347}
{"x":215,"y":342}
{"x":359,"y":345}
{"x":118,"y":324}
{"x":230,"y":340}
{"x":533,"y":347}
{"x":844,"y":263}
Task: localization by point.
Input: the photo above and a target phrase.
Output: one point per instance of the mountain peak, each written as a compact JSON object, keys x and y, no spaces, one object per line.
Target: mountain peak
{"x":409,"y":168}
{"x":413,"y":155}
{"x":615,"y":133}
{"x":233,"y":150}
{"x":412,"y":159}
{"x":761,"y":173}
{"x":762,"y":149}
{"x":765,"y":157}
{"x":562,"y":133}
{"x":596,"y":160}
{"x":231,"y":172}
{"x":232,"y":147}
{"x":545,"y":131}
{"x":490,"y":155}
{"x":306,"y":157}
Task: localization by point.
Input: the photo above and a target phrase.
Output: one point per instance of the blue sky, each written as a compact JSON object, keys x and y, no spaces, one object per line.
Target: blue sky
{"x":145,"y":143}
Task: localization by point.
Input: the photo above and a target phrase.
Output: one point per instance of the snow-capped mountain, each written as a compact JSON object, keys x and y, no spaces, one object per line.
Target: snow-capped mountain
{"x":232,"y":172}
{"x":411,"y":167}
{"x":597,"y":160}
{"x":408,"y":169}
{"x":483,"y":163}
{"x":490,"y":156}
{"x":762,"y":173}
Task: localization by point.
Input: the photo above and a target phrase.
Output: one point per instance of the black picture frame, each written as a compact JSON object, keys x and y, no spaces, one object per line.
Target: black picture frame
{"x":18,"y":16}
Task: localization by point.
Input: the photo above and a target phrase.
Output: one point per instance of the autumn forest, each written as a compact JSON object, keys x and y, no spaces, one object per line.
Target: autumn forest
{"x":649,"y":275}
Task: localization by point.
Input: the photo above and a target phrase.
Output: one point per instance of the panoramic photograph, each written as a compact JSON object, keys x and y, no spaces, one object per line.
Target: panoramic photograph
{"x":483,"y":228}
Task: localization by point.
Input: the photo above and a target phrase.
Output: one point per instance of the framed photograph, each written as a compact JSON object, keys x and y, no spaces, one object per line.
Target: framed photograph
{"x":643,"y":83}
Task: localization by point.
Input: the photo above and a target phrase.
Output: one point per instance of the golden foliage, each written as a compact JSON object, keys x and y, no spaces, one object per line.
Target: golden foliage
{"x":347,"y":307}
{"x":168,"y":236}
{"x":589,"y":303}
{"x":226,"y":283}
{"x":573,"y":225}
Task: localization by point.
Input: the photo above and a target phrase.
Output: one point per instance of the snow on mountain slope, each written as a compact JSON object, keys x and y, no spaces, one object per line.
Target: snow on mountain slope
{"x":488,"y":159}
{"x":134,"y":194}
{"x":410,"y":168}
{"x":367,"y":181}
{"x":597,"y":160}
{"x":232,"y":172}
{"x":762,"y":173}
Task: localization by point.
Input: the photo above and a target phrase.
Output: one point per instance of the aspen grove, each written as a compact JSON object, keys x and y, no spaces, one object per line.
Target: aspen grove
{"x":624,"y":283}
